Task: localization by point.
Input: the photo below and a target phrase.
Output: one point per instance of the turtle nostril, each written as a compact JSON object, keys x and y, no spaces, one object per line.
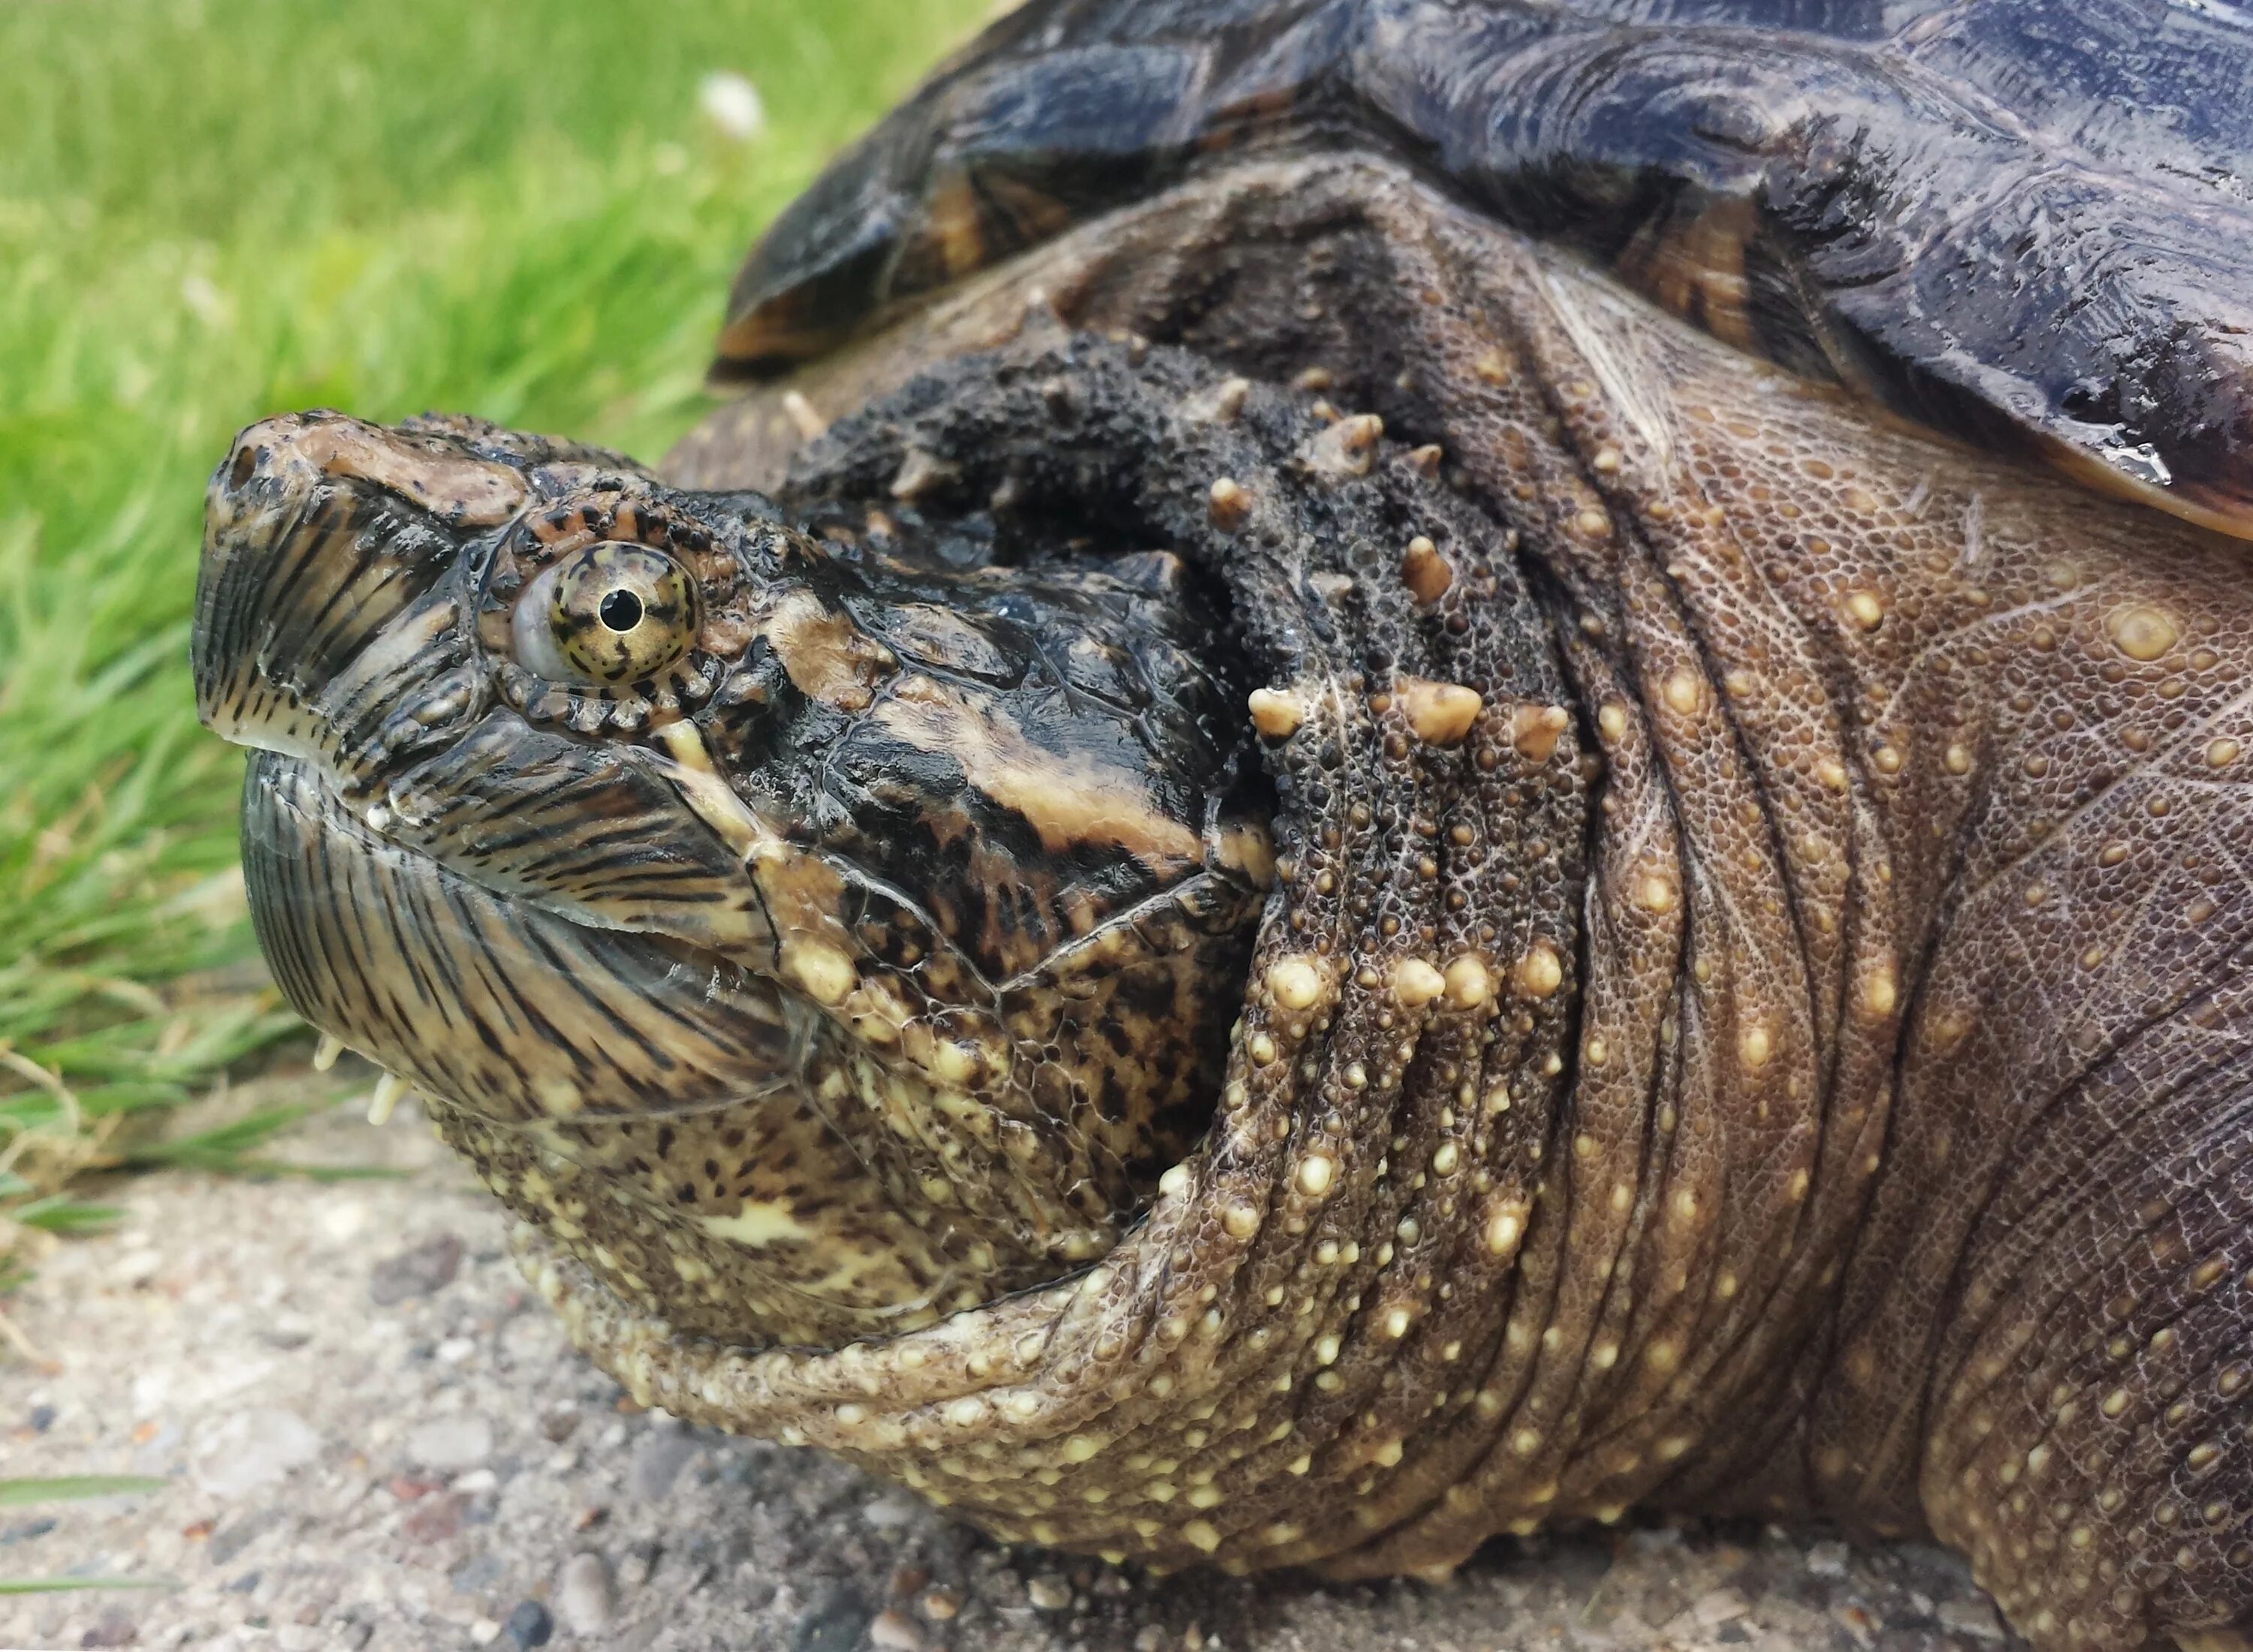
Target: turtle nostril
{"x":245,"y":466}
{"x":621,"y":610}
{"x":2091,"y":402}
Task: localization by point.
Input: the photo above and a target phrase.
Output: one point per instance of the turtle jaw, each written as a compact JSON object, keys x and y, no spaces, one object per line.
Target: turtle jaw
{"x":511,"y":1012}
{"x":577,"y":1068}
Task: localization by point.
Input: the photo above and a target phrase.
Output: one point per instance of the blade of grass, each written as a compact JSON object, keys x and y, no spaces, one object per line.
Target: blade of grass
{"x":18,"y":1494}
{"x":223,"y":1148}
{"x":60,"y":1213}
{"x":59,"y":1585}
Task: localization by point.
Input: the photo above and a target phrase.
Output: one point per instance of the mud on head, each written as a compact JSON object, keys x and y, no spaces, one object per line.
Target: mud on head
{"x":813,"y":922}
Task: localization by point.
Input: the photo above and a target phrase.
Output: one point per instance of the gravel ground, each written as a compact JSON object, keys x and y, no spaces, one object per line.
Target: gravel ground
{"x":374,"y":1438}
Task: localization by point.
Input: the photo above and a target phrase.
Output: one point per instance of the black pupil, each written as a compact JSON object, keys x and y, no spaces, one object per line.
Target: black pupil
{"x":621,"y":610}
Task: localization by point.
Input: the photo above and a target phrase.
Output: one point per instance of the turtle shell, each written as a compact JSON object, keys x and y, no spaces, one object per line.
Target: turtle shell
{"x":2024,"y":224}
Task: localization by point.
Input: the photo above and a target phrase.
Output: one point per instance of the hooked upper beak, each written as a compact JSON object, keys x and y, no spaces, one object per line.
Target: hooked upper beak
{"x":327,"y":581}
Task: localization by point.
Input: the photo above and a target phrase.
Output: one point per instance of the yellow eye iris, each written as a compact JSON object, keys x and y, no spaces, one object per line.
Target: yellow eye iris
{"x":610,"y":613}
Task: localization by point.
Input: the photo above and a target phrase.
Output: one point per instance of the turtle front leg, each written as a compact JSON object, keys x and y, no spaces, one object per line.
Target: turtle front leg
{"x":1954,"y":766}
{"x":2090,"y":1445}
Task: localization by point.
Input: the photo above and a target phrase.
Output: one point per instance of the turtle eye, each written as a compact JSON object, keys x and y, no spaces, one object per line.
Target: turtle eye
{"x":608,"y":613}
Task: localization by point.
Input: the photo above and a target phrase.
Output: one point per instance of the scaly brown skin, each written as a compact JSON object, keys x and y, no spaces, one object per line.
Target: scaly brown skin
{"x":1803,"y":1077}
{"x":1919,"y":875}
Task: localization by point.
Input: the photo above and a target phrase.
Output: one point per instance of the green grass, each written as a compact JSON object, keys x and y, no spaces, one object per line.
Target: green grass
{"x":20,"y":1493}
{"x":213,"y":212}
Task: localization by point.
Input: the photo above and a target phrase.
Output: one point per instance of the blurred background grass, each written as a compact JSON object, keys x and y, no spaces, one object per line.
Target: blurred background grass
{"x":212,"y":210}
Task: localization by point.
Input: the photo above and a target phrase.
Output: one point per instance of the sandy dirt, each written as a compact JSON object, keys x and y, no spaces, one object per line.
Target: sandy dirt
{"x":372,"y":1437}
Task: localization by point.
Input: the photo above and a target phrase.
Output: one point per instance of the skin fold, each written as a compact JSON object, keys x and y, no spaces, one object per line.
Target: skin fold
{"x":1743,"y":899}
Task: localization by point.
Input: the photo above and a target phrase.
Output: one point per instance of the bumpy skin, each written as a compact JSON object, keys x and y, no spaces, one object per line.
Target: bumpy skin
{"x":2026,"y":222}
{"x":1747,"y":1016}
{"x":1902,"y":1124}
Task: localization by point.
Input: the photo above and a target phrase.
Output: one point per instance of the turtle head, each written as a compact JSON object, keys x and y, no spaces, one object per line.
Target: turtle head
{"x":843,"y":919}
{"x":828,"y":925}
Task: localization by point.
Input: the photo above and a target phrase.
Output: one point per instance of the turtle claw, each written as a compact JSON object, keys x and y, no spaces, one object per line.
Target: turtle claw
{"x":388,"y":1091}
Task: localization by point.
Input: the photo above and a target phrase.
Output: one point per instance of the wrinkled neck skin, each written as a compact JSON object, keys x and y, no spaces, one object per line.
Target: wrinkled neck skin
{"x":1895,"y":1142}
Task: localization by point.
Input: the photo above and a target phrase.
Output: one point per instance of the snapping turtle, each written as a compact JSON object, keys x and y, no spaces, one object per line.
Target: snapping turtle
{"x":1422,"y":767}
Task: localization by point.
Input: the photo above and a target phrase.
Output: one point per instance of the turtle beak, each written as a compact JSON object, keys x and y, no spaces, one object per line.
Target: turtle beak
{"x":332,"y":575}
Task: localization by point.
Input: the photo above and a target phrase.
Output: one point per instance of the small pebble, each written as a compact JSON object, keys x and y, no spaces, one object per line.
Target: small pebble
{"x":584,"y":1600}
{"x":890,"y":1511}
{"x":1048,"y":1593}
{"x":1973,"y":1617}
{"x":475,"y":1577}
{"x":483,"y":1632}
{"x":659,"y":1457}
{"x":418,"y":1271}
{"x":237,"y":1536}
{"x":529,"y":1625}
{"x":641,"y":1561}
{"x":451,"y":1444}
{"x":1856,"y":1621}
{"x":836,"y":1621}
{"x":251,"y":1451}
{"x":436,"y":1519}
{"x":941,"y":1603}
{"x":115,"y":1628}
{"x":894,"y":1631}
{"x":1829,"y":1559}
